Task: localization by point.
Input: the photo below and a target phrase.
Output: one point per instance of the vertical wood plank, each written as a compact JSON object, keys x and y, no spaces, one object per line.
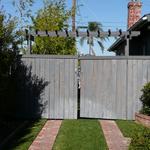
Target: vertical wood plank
{"x":130,"y":90}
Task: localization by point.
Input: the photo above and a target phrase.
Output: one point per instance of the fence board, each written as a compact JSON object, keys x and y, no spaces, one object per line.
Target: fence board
{"x":60,"y":96}
{"x":111,"y":86}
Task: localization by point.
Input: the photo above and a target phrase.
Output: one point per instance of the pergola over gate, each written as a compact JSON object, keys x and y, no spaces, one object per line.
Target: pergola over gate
{"x":124,"y":34}
{"x":110,"y":87}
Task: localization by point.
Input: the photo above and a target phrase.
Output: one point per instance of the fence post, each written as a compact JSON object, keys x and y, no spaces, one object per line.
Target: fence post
{"x":127,"y":46}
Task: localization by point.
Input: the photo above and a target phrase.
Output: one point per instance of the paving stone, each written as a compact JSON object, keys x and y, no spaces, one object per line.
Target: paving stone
{"x":47,"y":136}
{"x":114,"y":138}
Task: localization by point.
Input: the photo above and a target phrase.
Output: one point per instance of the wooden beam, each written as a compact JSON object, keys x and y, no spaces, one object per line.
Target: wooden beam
{"x":97,"y":34}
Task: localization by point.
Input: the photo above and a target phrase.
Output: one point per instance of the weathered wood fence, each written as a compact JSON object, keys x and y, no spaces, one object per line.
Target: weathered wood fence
{"x":60,"y":96}
{"x":110,"y":86}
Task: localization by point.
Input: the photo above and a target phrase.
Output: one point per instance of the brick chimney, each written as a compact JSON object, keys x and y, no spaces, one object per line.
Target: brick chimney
{"x":134,"y":12}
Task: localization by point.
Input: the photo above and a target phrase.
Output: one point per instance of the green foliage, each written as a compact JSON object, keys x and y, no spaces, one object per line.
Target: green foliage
{"x":6,"y":60}
{"x":140,"y":135}
{"x":93,"y":27}
{"x":54,"y":46}
{"x":53,"y":17}
{"x":145,"y":99}
{"x":7,"y":56}
{"x":141,"y":140}
{"x":129,"y":128}
{"x":7,"y":64}
{"x":8,"y":42}
{"x":8,"y":48}
{"x":16,"y":80}
{"x":7,"y":35}
{"x":24,"y":10}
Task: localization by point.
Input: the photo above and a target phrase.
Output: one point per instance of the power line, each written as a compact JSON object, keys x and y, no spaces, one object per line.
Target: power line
{"x":92,"y":12}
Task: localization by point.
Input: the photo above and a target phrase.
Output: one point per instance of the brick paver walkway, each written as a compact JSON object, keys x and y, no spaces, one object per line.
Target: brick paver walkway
{"x":114,"y":138}
{"x":47,"y":136}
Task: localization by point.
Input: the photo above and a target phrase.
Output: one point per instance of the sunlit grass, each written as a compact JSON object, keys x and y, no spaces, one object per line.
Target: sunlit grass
{"x":80,"y":135}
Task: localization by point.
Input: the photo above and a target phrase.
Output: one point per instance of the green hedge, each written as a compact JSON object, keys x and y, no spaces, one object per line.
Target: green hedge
{"x":145,"y":99}
{"x":7,"y":64}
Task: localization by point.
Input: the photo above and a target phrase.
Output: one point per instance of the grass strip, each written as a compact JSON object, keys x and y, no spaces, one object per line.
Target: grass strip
{"x":140,"y":135}
{"x":80,"y":135}
{"x":129,"y":128}
{"x":24,"y":138}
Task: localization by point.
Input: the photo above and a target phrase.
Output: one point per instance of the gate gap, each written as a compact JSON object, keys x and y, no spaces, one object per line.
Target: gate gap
{"x":78,"y":88}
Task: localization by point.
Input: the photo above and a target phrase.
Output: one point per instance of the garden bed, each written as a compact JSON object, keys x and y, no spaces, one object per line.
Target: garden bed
{"x":143,"y":119}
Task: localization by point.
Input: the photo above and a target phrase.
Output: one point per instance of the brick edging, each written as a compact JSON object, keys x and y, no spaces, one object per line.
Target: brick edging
{"x":47,"y":136}
{"x":114,"y":137}
{"x":143,"y":119}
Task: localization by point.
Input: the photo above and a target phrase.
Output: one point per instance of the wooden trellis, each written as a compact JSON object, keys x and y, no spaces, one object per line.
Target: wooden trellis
{"x":99,"y":34}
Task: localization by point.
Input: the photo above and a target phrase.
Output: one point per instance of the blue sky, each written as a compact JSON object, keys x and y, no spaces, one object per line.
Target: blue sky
{"x":111,"y":13}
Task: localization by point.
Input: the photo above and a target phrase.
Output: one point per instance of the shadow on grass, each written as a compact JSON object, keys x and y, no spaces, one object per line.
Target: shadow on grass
{"x":23,"y":139}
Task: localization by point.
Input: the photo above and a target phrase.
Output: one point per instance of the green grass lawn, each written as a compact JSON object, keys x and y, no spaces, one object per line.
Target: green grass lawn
{"x":139,"y":134}
{"x":24,"y":139}
{"x":128,"y":128}
{"x":80,"y":135}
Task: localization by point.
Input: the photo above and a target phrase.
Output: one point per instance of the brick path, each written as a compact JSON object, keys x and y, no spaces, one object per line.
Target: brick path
{"x":114,"y":138}
{"x":46,"y":137}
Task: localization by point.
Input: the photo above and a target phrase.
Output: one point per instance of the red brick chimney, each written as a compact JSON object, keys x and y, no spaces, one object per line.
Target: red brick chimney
{"x":134,"y":12}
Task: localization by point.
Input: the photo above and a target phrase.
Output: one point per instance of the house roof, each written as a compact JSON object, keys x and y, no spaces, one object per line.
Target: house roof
{"x":136,"y":27}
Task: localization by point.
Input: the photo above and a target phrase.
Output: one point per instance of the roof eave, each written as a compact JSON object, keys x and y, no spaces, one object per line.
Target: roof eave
{"x":140,"y":22}
{"x":143,"y":20}
{"x":115,"y":44}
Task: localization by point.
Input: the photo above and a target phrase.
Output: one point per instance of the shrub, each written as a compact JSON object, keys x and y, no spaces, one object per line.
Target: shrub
{"x":141,"y":140}
{"x":145,"y":99}
{"x":7,"y":64}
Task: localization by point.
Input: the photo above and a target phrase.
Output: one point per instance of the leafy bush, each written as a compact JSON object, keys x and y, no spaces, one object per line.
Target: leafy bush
{"x":141,"y":140}
{"x":7,"y":67}
{"x":20,"y":91}
{"x":52,"y":17}
{"x":145,"y":99}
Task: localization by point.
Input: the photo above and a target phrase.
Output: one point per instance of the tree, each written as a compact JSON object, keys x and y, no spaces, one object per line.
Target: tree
{"x":16,"y":23}
{"x":53,"y":17}
{"x":93,"y":27}
{"x":8,"y":47}
{"x":23,"y":8}
{"x":10,"y":37}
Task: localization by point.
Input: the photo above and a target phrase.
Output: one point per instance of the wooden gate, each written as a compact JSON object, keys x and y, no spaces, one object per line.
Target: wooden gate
{"x":111,"y":86}
{"x":60,"y":96}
